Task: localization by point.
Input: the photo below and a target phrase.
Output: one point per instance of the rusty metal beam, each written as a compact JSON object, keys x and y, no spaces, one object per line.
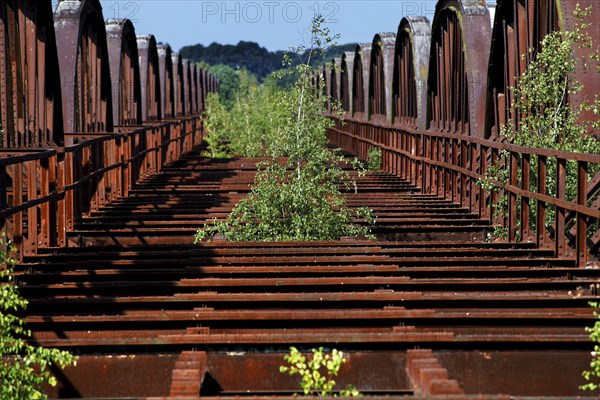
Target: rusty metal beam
{"x":380,"y":73}
{"x":167,"y":92}
{"x":178,"y":84}
{"x":360,"y":83}
{"x":411,"y":66}
{"x":84,"y":66}
{"x":459,"y":54}
{"x":346,"y":81}
{"x":151,"y":89}
{"x":30,"y":91}
{"x":125,"y":72}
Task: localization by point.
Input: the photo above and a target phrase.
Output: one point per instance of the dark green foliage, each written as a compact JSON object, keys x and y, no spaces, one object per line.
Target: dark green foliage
{"x":229,"y":81}
{"x":256,"y":59}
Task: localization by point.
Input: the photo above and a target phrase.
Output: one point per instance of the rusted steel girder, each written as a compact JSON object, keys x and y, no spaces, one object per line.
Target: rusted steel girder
{"x":520,"y":25}
{"x":217,"y":84}
{"x":194,"y":89}
{"x":84,"y":66}
{"x":202,"y":89}
{"x":212,"y":83}
{"x":428,"y":377}
{"x":315,"y":81}
{"x":346,"y":71}
{"x":149,"y":78}
{"x":178,"y":84}
{"x":451,"y":164}
{"x":411,"y":66}
{"x":167,"y":92}
{"x":380,"y":72}
{"x":125,"y":72}
{"x":334,"y":93}
{"x":458,"y":59}
{"x":30,"y":92}
{"x":360,"y":83}
{"x":187,"y":86}
{"x":325,"y":72}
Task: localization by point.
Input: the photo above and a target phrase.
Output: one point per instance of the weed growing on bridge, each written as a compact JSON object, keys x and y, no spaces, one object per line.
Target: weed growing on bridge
{"x":593,"y":375}
{"x":547,"y":119}
{"x":298,"y":197}
{"x":24,"y":368}
{"x":252,"y":125}
{"x":317,"y":373}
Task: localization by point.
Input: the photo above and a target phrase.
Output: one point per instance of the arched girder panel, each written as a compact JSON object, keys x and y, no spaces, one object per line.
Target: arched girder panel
{"x":326,"y":76}
{"x":203,"y":88}
{"x":84,"y":66}
{"x":194,"y":88}
{"x":589,"y":80}
{"x":360,"y":82}
{"x":30,"y":91}
{"x":335,"y":79}
{"x":187,"y":86}
{"x":457,"y":67}
{"x":149,"y":78}
{"x":124,"y":71}
{"x":167,"y":95}
{"x":346,"y":74}
{"x":411,"y":66}
{"x":380,"y":72}
{"x":521,"y":25}
{"x":178,"y":84}
{"x":212,"y":83}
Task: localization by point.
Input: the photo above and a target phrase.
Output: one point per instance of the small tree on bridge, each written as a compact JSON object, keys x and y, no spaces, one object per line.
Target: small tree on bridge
{"x":298,"y":199}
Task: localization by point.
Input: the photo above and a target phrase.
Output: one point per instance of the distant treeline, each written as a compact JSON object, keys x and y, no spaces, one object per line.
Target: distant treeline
{"x":256,"y":59}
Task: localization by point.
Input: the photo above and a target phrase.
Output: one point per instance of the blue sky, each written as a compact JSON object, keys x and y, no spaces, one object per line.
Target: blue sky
{"x":274,"y":24}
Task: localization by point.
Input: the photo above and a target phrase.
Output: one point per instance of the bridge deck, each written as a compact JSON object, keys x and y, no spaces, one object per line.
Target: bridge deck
{"x":151,"y":314}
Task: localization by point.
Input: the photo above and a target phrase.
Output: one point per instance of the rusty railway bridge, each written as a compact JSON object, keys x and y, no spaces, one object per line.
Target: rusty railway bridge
{"x":102,"y":187}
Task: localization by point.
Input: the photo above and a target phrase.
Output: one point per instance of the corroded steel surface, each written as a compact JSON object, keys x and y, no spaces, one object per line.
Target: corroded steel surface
{"x":451,"y":165}
{"x":360,"y":82}
{"x":203,"y":88}
{"x":334,"y":92}
{"x":30,"y":92}
{"x":84,"y":66}
{"x":136,"y":285}
{"x":104,"y":225}
{"x":458,"y":58}
{"x":178,"y":84}
{"x":346,"y":80}
{"x":518,"y":26}
{"x":381,"y":69}
{"x":149,"y":78}
{"x":521,"y":25}
{"x":125,"y":72}
{"x":187,"y":86}
{"x":167,"y":90}
{"x":411,"y":65}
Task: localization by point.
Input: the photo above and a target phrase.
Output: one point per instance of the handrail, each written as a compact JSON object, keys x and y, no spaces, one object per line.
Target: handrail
{"x":452,"y":165}
{"x":44,"y":193}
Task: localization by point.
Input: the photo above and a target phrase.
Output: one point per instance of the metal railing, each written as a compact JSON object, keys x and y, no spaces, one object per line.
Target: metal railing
{"x":45,"y":192}
{"x":454,"y":166}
